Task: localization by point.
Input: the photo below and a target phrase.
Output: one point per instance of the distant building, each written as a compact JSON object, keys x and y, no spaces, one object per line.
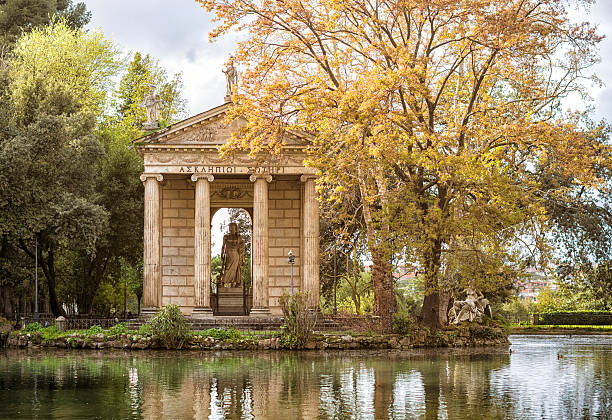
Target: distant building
{"x":532,"y":283}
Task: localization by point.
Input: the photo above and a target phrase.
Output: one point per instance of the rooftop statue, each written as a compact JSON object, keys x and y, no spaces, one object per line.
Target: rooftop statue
{"x":152,"y":103}
{"x":231,"y":77}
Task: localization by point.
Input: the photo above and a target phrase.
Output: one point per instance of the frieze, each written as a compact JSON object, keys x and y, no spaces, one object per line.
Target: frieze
{"x":231,"y":193}
{"x":199,"y":159}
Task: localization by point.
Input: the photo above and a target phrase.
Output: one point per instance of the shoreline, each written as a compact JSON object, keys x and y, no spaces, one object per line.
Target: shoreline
{"x":468,"y":336}
{"x":559,"y":331}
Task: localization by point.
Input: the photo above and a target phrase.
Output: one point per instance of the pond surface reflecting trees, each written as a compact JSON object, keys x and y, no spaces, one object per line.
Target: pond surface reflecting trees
{"x":530,"y":382}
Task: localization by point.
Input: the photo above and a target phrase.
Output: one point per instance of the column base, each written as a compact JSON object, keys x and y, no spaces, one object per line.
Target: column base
{"x":260,"y":312}
{"x":148,"y":312}
{"x":201,"y":313}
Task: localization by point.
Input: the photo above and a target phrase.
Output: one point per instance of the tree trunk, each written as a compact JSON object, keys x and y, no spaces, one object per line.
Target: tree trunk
{"x":381,"y":282}
{"x":435,"y":302}
{"x":6,"y":301}
{"x":381,"y":269}
{"x":48,"y":267}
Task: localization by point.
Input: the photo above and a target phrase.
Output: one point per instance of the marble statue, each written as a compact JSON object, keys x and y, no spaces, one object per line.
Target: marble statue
{"x":231,"y":78}
{"x":152,"y":103}
{"x":232,"y":255}
{"x":471,"y":309}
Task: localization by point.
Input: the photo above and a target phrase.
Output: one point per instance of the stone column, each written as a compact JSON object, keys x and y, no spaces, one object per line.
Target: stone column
{"x":151,"y":288}
{"x":260,"y":245}
{"x":310,"y":252}
{"x":202,"y":246}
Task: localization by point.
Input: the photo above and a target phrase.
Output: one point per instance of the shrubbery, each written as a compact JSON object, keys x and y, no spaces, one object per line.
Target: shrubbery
{"x":145,"y":329}
{"x":299,"y":320}
{"x":402,"y":323}
{"x":118,"y":329}
{"x":5,"y":328}
{"x":169,"y":326}
{"x":94,"y":330}
{"x":575,"y":318}
{"x":32,"y":327}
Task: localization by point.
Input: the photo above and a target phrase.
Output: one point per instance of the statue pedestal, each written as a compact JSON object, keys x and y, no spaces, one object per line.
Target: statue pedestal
{"x":230,"y":301}
{"x":150,"y":126}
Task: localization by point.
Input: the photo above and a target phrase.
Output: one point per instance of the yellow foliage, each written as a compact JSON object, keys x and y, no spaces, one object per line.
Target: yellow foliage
{"x":441,"y":113}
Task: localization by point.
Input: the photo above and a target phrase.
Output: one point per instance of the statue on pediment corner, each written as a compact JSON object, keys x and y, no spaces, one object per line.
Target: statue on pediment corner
{"x":152,"y":104}
{"x":231,"y":78}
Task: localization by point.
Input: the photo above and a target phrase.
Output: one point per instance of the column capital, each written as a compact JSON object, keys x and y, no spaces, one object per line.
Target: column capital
{"x":145,"y":176}
{"x":208,"y":177}
{"x":255,"y":177}
{"x":307,"y":177}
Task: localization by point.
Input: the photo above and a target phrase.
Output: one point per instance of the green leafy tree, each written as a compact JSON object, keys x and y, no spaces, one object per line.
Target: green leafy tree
{"x":142,"y":73}
{"x":549,"y":301}
{"x":18,"y":16}
{"x":587,"y":286}
{"x":59,"y":77}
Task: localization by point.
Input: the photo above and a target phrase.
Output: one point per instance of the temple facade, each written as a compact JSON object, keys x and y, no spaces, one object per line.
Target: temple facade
{"x":186,"y":182}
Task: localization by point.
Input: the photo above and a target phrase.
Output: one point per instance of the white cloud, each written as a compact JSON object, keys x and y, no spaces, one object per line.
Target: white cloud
{"x":175,"y":33}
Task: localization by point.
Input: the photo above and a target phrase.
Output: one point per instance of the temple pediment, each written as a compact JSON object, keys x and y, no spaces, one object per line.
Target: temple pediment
{"x":203,"y":130}
{"x":191,"y":147}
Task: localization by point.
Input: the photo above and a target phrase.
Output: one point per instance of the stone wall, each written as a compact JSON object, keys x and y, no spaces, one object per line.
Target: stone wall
{"x":463,"y":336}
{"x":284,"y":201}
{"x":178,"y":204}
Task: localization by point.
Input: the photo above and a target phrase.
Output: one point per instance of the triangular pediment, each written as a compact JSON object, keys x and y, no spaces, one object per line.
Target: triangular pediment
{"x":205,"y":129}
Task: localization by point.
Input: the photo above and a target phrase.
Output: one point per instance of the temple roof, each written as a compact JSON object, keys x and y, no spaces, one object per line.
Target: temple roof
{"x":205,"y":129}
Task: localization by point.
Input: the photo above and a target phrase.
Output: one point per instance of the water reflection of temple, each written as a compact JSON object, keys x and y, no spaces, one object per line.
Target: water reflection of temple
{"x":272,"y":385}
{"x":247,"y":387}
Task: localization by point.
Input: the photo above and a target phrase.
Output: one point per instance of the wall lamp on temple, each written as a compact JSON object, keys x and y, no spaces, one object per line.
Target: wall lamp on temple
{"x":291,"y":260}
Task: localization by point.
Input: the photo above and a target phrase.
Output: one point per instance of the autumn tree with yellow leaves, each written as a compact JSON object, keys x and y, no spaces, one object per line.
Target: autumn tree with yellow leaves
{"x":442,"y":114}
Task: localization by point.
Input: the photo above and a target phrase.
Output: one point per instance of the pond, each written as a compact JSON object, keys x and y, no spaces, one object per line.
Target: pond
{"x":542,"y":377}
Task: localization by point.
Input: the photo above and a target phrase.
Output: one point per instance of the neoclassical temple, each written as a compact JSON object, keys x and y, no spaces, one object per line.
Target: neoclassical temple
{"x":186,"y":182}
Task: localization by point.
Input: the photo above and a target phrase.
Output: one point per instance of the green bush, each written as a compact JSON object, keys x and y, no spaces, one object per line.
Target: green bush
{"x":403,"y":323}
{"x":32,"y":327}
{"x":145,"y":329}
{"x":299,"y":319}
{"x":50,"y":333}
{"x":118,"y":329}
{"x":5,"y":328}
{"x":93,"y":330}
{"x":169,"y":326}
{"x":289,"y":341}
{"x":575,"y":318}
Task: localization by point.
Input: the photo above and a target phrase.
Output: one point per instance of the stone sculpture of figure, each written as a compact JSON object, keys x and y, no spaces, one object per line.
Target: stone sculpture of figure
{"x":231,"y":77}
{"x":471,"y":309}
{"x":152,"y":103}
{"x":232,"y":254}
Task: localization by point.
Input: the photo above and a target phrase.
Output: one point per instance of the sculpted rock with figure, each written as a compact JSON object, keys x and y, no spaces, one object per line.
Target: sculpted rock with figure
{"x":471,"y":309}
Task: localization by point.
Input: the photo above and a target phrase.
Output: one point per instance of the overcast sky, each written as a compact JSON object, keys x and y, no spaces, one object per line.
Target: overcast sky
{"x":176,"y":33}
